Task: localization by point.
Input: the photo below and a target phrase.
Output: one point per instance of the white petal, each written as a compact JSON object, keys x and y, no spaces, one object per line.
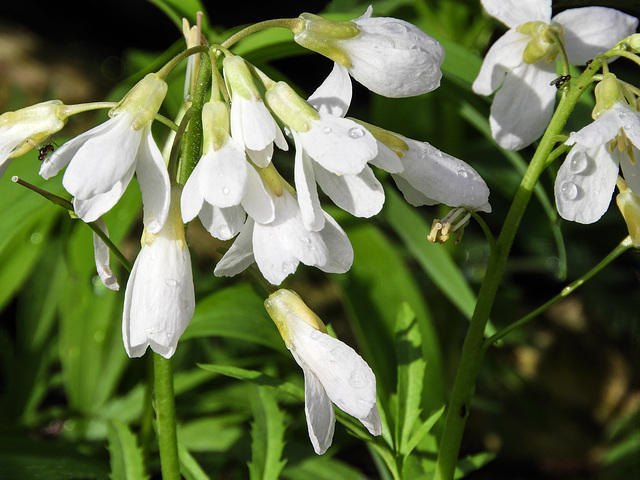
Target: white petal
{"x":631,"y":170}
{"x":387,"y":160}
{"x":257,"y":201}
{"x":338,"y":144}
{"x":334,"y":95}
{"x":103,"y":159}
{"x":305,"y":182}
{"x":91,"y":209}
{"x":159,"y":298}
{"x":340,"y":252}
{"x":222,"y":223}
{"x":192,"y":199}
{"x":319,"y":412}
{"x":361,"y":195}
{"x":347,"y":379}
{"x":412,"y":195}
{"x":606,"y":127}
{"x":522,"y":108}
{"x":240,"y":255}
{"x":154,"y":183}
{"x":585,"y":183}
{"x":516,"y":12}
{"x":503,"y":56}
{"x":441,"y":177}
{"x":101,"y":255}
{"x":592,"y":30}
{"x":223,"y":175}
{"x":61,"y":157}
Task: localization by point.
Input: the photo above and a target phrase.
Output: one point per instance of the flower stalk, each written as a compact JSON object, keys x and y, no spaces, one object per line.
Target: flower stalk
{"x":473,"y":347}
{"x":166,"y":417}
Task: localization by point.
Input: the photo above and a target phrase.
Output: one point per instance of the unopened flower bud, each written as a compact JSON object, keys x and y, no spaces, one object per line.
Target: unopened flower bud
{"x":543,"y":44}
{"x":284,"y":304}
{"x":629,"y":205}
{"x":610,"y":91}
{"x":215,"y":125}
{"x":143,"y":100}
{"x":292,"y":109}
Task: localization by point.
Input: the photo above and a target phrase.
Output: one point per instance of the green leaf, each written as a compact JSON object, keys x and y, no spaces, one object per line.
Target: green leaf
{"x":235,"y":312}
{"x":322,"y":468}
{"x":267,"y":436}
{"x":425,"y":428}
{"x":125,"y":456}
{"x":411,"y":369}
{"x":176,"y":10}
{"x":189,"y":466}
{"x":472,"y":463}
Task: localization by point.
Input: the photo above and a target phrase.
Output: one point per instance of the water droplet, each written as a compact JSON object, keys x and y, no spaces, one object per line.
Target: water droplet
{"x":226,"y":190}
{"x":569,"y":191}
{"x":326,"y":129}
{"x":627,"y":127}
{"x":579,"y":163}
{"x":358,"y":378}
{"x":315,"y":335}
{"x":171,"y":282}
{"x":223,"y":232}
{"x":395,"y":27}
{"x":356,"y":132}
{"x":463,"y":173}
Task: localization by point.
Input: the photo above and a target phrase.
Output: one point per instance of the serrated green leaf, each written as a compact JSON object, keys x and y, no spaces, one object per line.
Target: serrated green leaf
{"x":235,"y":312}
{"x":321,"y":468}
{"x":124,"y":454}
{"x":425,"y":428}
{"x":267,"y":436}
{"x":411,"y":369}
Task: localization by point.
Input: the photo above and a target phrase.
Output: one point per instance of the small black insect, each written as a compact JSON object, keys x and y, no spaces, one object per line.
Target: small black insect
{"x":560,"y":81}
{"x":45,"y":151}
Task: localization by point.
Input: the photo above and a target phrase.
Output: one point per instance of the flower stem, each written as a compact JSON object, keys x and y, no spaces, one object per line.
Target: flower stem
{"x":625,"y":245}
{"x":166,"y":417}
{"x":290,"y":23}
{"x":473,"y":346}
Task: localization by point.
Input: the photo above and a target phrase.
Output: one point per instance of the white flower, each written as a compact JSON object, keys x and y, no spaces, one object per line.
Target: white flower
{"x":252,"y":125}
{"x":338,"y":145}
{"x":424,"y":174}
{"x":223,"y":184}
{"x":333,"y":371}
{"x":280,"y":245}
{"x":159,"y":300}
{"x":521,"y":64}
{"x":25,"y":128}
{"x":389,"y":56}
{"x":102,"y":161}
{"x":587,"y":178}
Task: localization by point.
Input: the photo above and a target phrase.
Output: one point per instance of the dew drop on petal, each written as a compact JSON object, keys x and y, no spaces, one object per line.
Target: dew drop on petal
{"x":463,"y":173}
{"x":579,"y":163}
{"x":355,"y":132}
{"x":171,"y":282}
{"x":315,"y":335}
{"x":326,"y":130}
{"x":226,"y":190}
{"x":395,"y":27}
{"x":569,"y":191}
{"x":358,"y":378}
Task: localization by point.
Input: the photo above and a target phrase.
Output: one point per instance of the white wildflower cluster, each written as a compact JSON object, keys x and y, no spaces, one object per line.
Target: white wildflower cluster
{"x":236,"y":190}
{"x":521,"y":68}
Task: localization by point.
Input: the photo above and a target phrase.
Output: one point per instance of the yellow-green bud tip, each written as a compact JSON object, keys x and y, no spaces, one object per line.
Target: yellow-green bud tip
{"x":285,"y":306}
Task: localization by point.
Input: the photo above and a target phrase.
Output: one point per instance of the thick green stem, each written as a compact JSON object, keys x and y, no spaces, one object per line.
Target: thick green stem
{"x":166,"y":417}
{"x":472,"y":349}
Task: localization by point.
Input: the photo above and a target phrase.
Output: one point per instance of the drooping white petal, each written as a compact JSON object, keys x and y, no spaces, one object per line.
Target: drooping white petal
{"x":522,"y":108}
{"x":338,"y":144}
{"x":222,"y":223}
{"x":631,"y":170}
{"x":223,"y":175}
{"x":159,"y":298}
{"x":101,"y":256}
{"x":103,"y":159}
{"x":516,"y":12}
{"x":318,"y":410}
{"x":503,"y":57}
{"x":606,"y":127}
{"x":240,"y":254}
{"x":61,"y":157}
{"x":256,"y":201}
{"x":91,"y":209}
{"x":585,"y":183}
{"x":592,"y":30}
{"x":387,"y":160}
{"x":347,"y":379}
{"x":154,"y":182}
{"x":334,"y":94}
{"x":361,"y":195}
{"x":442,"y":177}
{"x":307,"y":192}
{"x":339,"y":249}
{"x":192,"y":199}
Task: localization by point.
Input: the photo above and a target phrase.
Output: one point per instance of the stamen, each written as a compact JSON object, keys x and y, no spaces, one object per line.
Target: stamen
{"x":452,"y":222}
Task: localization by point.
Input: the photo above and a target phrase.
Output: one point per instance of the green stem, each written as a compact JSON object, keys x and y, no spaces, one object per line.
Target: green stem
{"x":472,"y":349}
{"x":625,"y":245}
{"x":192,"y":138}
{"x":289,"y":23}
{"x":171,"y":64}
{"x":166,"y":417}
